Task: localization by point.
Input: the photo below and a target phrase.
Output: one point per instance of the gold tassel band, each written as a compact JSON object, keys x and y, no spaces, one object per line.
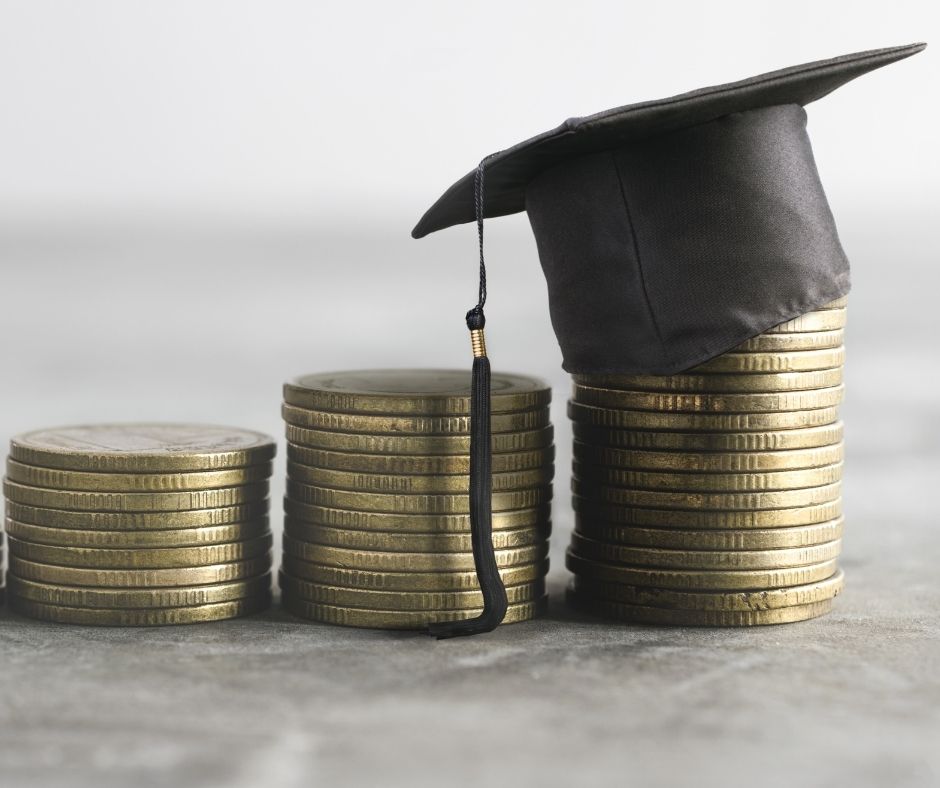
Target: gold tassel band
{"x":478,"y":343}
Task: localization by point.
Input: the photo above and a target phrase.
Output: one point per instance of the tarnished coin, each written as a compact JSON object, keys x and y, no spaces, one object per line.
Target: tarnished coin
{"x":709,"y":482}
{"x":415,"y":444}
{"x":412,"y":503}
{"x":386,"y":541}
{"x":35,"y":476}
{"x":823,"y":320}
{"x":375,"y":561}
{"x":181,"y":537}
{"x":123,"y":598}
{"x":412,"y":523}
{"x":400,"y":464}
{"x":709,"y":403}
{"x":700,"y":580}
{"x":594,"y":393}
{"x":402,"y":600}
{"x":681,"y":539}
{"x":782,"y":440}
{"x":424,"y":392}
{"x":726,"y":560}
{"x":796,"y":361}
{"x":769,"y":599}
{"x":444,"y":582}
{"x":708,"y":462}
{"x":136,"y":521}
{"x":154,"y":617}
{"x":143,"y":448}
{"x":712,"y":422}
{"x":410,"y":425}
{"x":808,"y":340}
{"x":141,"y":558}
{"x":398,"y":619}
{"x":413,"y":483}
{"x":139,"y":578}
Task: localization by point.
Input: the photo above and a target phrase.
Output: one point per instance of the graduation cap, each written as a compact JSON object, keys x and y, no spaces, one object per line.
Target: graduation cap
{"x":669,"y":232}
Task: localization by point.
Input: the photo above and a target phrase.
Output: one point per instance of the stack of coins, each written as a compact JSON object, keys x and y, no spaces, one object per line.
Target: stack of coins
{"x":137,"y":525}
{"x":377,"y":530}
{"x":713,"y":497}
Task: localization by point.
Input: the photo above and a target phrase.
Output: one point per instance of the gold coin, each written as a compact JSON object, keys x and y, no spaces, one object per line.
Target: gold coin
{"x":725,"y":560}
{"x":410,"y":425}
{"x":697,"y":520}
{"x":143,"y":448}
{"x":700,"y":580}
{"x":711,"y":482}
{"x":154,"y":617}
{"x":412,"y":483}
{"x":710,"y":403}
{"x":407,"y":581}
{"x":594,"y":392}
{"x":768,"y":599}
{"x":709,"y":462}
{"x":808,"y":340}
{"x":136,"y":521}
{"x":701,"y":618}
{"x":805,"y":438}
{"x":796,"y":361}
{"x":678,"y":539}
{"x":711,"y":422}
{"x":412,"y":523}
{"x":778,"y":499}
{"x":136,"y":482}
{"x":134,"y":502}
{"x":401,"y":464}
{"x":824,"y":320}
{"x":402,"y":600}
{"x":183,"y":537}
{"x":398,"y":619}
{"x":375,"y":561}
{"x":425,"y":392}
{"x":141,"y":558}
{"x":120,"y":598}
{"x":139,"y":578}
{"x":386,"y":541}
{"x":412,"y":504}
{"x":415,"y":444}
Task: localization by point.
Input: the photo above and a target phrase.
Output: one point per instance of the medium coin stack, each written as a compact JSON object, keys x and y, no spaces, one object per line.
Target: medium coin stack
{"x":712,"y":497}
{"x":376,"y":528}
{"x":138,"y":525}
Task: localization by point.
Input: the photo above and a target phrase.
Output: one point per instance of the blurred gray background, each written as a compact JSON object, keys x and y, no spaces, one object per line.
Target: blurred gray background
{"x":199,"y":200}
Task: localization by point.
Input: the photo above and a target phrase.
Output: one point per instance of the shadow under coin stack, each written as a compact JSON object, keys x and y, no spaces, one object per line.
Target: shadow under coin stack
{"x":713,"y":497}
{"x":139,"y":525}
{"x":377,"y":530}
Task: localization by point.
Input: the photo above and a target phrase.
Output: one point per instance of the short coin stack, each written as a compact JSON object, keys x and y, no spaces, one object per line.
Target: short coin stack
{"x":377,"y":530}
{"x":139,"y":525}
{"x":713,"y":497}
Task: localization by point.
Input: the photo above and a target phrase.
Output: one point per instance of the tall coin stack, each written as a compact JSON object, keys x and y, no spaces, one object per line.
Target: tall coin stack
{"x":138,"y":525}
{"x":377,"y":530}
{"x":713,"y":497}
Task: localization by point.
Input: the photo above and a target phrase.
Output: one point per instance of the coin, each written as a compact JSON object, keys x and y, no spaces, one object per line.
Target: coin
{"x":407,"y":581}
{"x":120,"y":598}
{"x":424,"y":392}
{"x":182,"y":537}
{"x":801,"y":438}
{"x":386,"y":541}
{"x":769,"y":599}
{"x":141,"y":558}
{"x":134,"y":502}
{"x":143,"y":448}
{"x":714,"y":422}
{"x":678,"y":539}
{"x":412,"y":483}
{"x":824,"y":320}
{"x":398,"y":619}
{"x":796,"y":361}
{"x":701,"y":580}
{"x":593,"y":393}
{"x":808,"y":340}
{"x":839,"y":303}
{"x":136,"y":482}
{"x":704,"y":559}
{"x":138,"y":578}
{"x":415,"y":444}
{"x":136,"y":521}
{"x":375,"y":561}
{"x":400,"y":464}
{"x":412,"y":503}
{"x":710,"y":403}
{"x":106,"y":617}
{"x":714,"y":482}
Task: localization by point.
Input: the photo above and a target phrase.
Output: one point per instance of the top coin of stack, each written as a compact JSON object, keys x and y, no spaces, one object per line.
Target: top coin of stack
{"x":377,"y":530}
{"x":138,"y":524}
{"x":712,"y":497}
